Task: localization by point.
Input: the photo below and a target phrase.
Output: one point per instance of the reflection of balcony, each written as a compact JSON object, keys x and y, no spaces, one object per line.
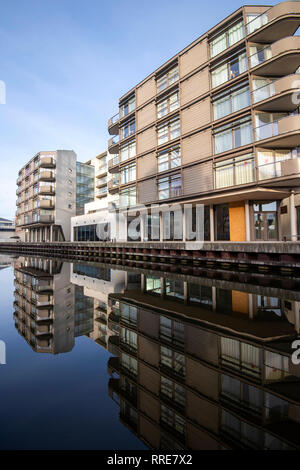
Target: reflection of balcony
{"x":113,"y":125}
{"x":47,"y":162}
{"x":113,"y":365}
{"x":278,"y":95}
{"x":113,"y":164}
{"x":113,"y":144}
{"x":113,"y":345}
{"x":283,"y":56}
{"x":277,"y":22}
{"x":284,"y":133}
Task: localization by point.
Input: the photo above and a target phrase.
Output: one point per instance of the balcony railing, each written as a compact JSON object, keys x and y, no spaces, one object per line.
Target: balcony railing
{"x":257,"y":23}
{"x":260,"y":56}
{"x":277,"y":88}
{"x":282,"y":126}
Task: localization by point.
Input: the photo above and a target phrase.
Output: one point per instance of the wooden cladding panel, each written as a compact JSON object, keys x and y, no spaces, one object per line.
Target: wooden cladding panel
{"x":195,"y":116}
{"x":193,"y":58}
{"x":196,"y":147}
{"x":146,"y":165}
{"x":147,"y":191}
{"x":146,"y":115}
{"x":146,"y":91}
{"x":194,"y":86}
{"x":146,"y":140}
{"x":198,"y":178}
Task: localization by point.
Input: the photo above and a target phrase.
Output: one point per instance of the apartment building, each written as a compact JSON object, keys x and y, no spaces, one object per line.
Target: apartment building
{"x":52,"y":187}
{"x":218,"y":125}
{"x":7,"y":229}
{"x":204,"y":367}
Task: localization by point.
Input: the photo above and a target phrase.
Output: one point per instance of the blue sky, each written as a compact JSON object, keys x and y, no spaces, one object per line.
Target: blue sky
{"x":66,"y":62}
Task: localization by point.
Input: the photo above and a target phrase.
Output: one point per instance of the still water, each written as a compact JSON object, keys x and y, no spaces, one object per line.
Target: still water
{"x":100,"y":357}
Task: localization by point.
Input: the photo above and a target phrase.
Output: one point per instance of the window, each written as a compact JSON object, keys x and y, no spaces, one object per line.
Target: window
{"x":276,"y":367}
{"x":127,"y":107}
{"x":128,"y":197}
{"x":169,"y":186}
{"x":128,"y":173}
{"x":127,"y":151}
{"x":267,"y":124}
{"x":128,"y":129}
{"x":128,"y":313}
{"x":240,"y":394}
{"x":172,"y":420}
{"x":173,"y":361}
{"x":263,"y":88}
{"x":238,"y":170}
{"x":172,"y":391}
{"x":233,"y":100}
{"x":233,"y":135}
{"x":129,"y":364}
{"x":129,"y":338}
{"x":169,"y":158}
{"x":269,"y":162}
{"x":167,"y":105}
{"x":153,"y":284}
{"x":229,"y":70}
{"x":259,"y":53}
{"x":167,"y":79}
{"x":168,"y":131}
{"x":255,"y":21}
{"x":226,"y":39}
{"x":241,"y":356}
{"x":171,"y":331}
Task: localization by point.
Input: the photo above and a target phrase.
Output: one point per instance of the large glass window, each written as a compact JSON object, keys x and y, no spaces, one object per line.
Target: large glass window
{"x":169,"y":186}
{"x":167,"y":79}
{"x":267,"y":124}
{"x":276,"y":367}
{"x":173,"y":361}
{"x":172,"y":420}
{"x":231,"y":101}
{"x":129,"y":338}
{"x":226,"y":39}
{"x":127,"y":106}
{"x":128,"y":129}
{"x":128,"y":313}
{"x":233,"y":135}
{"x":169,"y":158}
{"x":238,"y":170}
{"x":153,"y":284}
{"x":168,"y":104}
{"x":168,"y":131}
{"x":172,"y":391}
{"x":128,"y":197}
{"x":259,"y":53}
{"x":128,"y":151}
{"x":128,"y":173}
{"x":129,"y":364}
{"x":171,"y":331}
{"x":255,"y":21}
{"x":229,"y":70}
{"x":241,"y":356}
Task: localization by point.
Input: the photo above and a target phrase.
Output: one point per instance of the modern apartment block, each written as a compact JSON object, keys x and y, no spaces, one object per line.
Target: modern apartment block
{"x":218,"y":125}
{"x":52,"y":187}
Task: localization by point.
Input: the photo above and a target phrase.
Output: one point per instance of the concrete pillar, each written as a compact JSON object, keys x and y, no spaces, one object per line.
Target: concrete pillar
{"x":143,"y":282}
{"x":293,"y":219}
{"x":163,"y":286}
{"x":161,"y":227}
{"x":142,"y":226}
{"x":212,"y":223}
{"x":214,"y":298}
{"x":51,"y":233}
{"x":247,"y":221}
{"x":185,"y":292}
{"x":183,"y":226}
{"x":250,"y":306}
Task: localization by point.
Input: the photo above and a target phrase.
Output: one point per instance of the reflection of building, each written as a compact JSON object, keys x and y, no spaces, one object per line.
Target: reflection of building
{"x":217,"y":125}
{"x":203,"y":367}
{"x":98,"y":282}
{"x":49,"y":311}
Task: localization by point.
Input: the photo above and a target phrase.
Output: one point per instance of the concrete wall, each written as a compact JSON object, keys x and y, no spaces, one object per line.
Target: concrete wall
{"x":65,"y":203}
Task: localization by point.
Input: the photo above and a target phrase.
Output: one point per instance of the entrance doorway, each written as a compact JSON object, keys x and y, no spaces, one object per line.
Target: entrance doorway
{"x":265,"y":224}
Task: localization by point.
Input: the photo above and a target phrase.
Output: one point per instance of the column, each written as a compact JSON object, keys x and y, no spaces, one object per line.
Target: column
{"x":214,"y":298}
{"x":142,"y":226}
{"x":247,"y":221}
{"x":212,"y":223}
{"x":185,"y":292}
{"x":161,"y":227}
{"x":183,"y":226}
{"x":293,"y":222}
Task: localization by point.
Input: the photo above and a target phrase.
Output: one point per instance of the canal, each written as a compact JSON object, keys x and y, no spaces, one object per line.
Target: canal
{"x":95,"y":356}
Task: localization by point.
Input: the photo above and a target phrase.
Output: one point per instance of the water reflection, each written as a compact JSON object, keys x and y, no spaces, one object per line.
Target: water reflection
{"x":196,"y":362}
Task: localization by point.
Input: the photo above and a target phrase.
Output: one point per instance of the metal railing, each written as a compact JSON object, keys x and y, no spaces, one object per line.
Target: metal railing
{"x":257,"y":23}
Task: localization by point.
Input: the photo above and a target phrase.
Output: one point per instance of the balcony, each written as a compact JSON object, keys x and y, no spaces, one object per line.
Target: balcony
{"x":47,"y":162}
{"x":113,"y":125}
{"x":102,"y":192}
{"x":47,"y":189}
{"x":113,"y":164}
{"x":113,"y":144}
{"x":278,"y":22}
{"x":102,"y":170}
{"x":279,"y":95}
{"x":46,"y":176}
{"x":281,"y":57}
{"x":101,"y":183}
{"x":113,"y":185}
{"x":45,"y":204}
{"x":284,"y":133}
{"x":280,"y":173}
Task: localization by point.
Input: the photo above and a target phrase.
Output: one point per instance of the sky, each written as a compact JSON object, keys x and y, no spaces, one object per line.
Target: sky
{"x":65,"y":64}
